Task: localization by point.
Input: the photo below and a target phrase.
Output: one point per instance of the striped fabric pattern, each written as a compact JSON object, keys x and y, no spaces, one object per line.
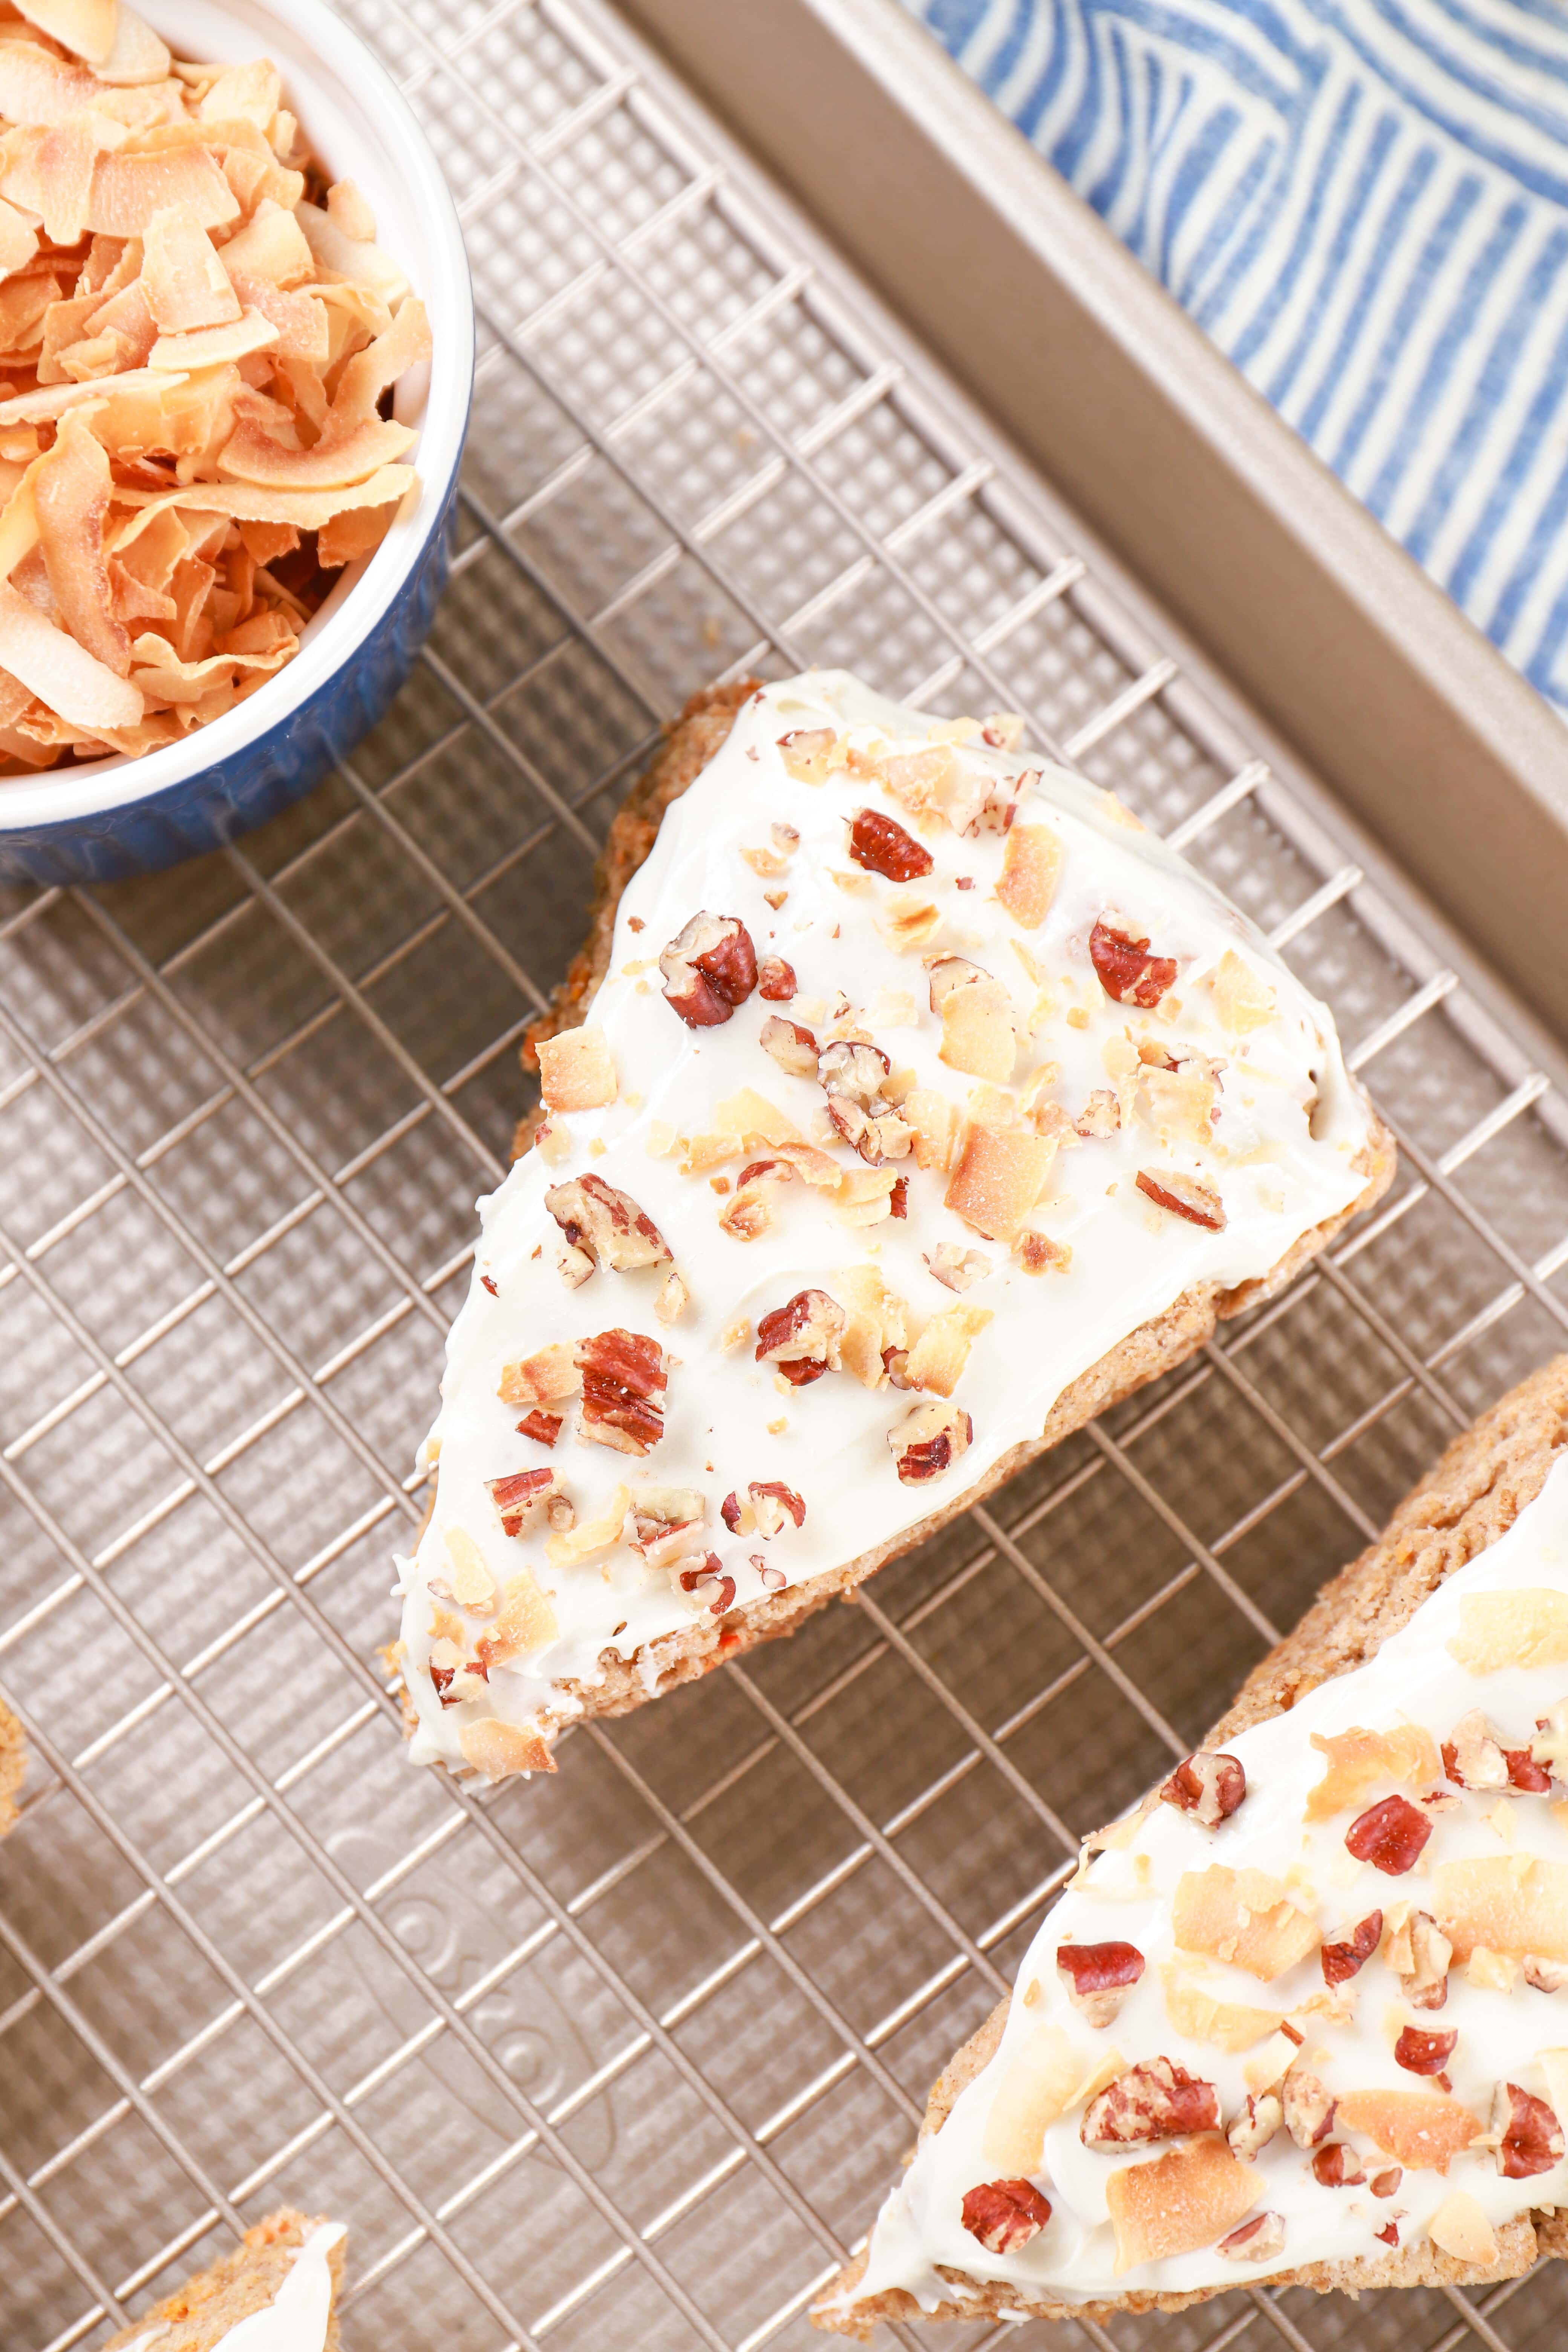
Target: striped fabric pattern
{"x":1365,"y":204}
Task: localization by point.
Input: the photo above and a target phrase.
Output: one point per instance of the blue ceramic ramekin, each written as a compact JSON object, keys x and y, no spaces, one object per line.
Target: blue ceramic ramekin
{"x":115,"y":817}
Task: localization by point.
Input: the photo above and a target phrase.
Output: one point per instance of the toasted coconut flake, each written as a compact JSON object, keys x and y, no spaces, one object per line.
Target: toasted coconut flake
{"x":1000,"y":1175}
{"x":214,"y":346}
{"x":1188,"y":2199}
{"x":1422,"y":2129}
{"x":304,"y":509}
{"x":350,"y":536}
{"x":1525,"y":1626}
{"x":498,"y":1749}
{"x":85,"y":27}
{"x":1509,"y":1903}
{"x":71,"y":496}
{"x":1242,"y":1916}
{"x":1031,"y":867}
{"x":357,"y":259}
{"x":129,"y":190}
{"x":938,"y":1357}
{"x":138,"y":57}
{"x":1229,"y":2024}
{"x":1362,"y":1762}
{"x":1039,"y":2074}
{"x":37,"y":87}
{"x":84,"y":692}
{"x":183,"y":276}
{"x":270,"y":246}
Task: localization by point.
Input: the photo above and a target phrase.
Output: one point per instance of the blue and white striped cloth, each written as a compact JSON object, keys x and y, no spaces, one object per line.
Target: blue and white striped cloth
{"x":1365,"y":204}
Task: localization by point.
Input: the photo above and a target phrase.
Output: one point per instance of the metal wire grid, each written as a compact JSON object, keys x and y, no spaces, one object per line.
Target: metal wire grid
{"x":627,"y":2058}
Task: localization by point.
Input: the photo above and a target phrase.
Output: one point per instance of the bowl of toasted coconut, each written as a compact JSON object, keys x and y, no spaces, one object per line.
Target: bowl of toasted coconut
{"x":236,"y":365}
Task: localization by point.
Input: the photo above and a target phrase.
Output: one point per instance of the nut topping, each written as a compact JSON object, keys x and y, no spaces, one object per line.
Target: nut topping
{"x":1127,"y":971}
{"x":793,"y":1047}
{"x":602,"y":1227}
{"x":879,"y":844}
{"x":1472,"y":1759}
{"x":666,"y":1524}
{"x":1192,"y":1197}
{"x":1352,"y":1949}
{"x":1336,"y":2166}
{"x":775,"y":979}
{"x":624,"y":1380}
{"x":1155,"y":2100}
{"x":1257,"y":2241}
{"x":801,"y":1337}
{"x":1546,"y":1976}
{"x":1259,"y":2120}
{"x":774,"y":1505}
{"x":955,"y":1267}
{"x":521,"y":1497}
{"x":1101,"y":1116}
{"x":543,"y":1426}
{"x":1098,"y":1977}
{"x":1385,"y":2184}
{"x":1530,"y":2136}
{"x":1307,"y":2109}
{"x":1208,"y":1787}
{"x":856,"y":1073}
{"x":1420,"y":2052}
{"x":1390,"y":1835}
{"x":1422,"y":1942}
{"x":929,"y":1441}
{"x":1005,"y":2214}
{"x":709,"y":967}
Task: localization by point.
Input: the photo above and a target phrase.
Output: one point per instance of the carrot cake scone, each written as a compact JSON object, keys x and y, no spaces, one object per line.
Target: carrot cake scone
{"x":926,"y":1103}
{"x":276,"y":2292}
{"x":1298,"y":2016}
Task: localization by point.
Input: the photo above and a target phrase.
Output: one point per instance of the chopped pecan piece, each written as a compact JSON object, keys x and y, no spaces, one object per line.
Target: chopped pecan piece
{"x":1192,"y":1197}
{"x":1307,"y":2109}
{"x":1101,"y":1116}
{"x":1472,"y":1759}
{"x":801,"y":1337}
{"x":709,"y":967}
{"x":1127,"y":971}
{"x":544,"y":1426}
{"x":624,"y":1380}
{"x":808,"y":753}
{"x":1391,"y":1835}
{"x":955,"y":1267}
{"x":1256,"y":2125}
{"x":1257,"y":2240}
{"x":929,"y":1441}
{"x":602,"y":1226}
{"x":1420,"y":2052}
{"x":1389,"y":2234}
{"x":1383,"y":2184}
{"x":879,"y":844}
{"x":667,"y":1522}
{"x":1005,"y":2214}
{"x":1155,"y":2100}
{"x":709,"y":1585}
{"x":1525,"y":1774}
{"x":1098,"y":1977}
{"x":521,"y":1496}
{"x":1335,"y":2166}
{"x":793,"y":1047}
{"x":1037,"y":1253}
{"x":855,"y":1072}
{"x":775,"y":979}
{"x":1546,"y":1976}
{"x":1425,"y":1980}
{"x":1208,"y":1787}
{"x":1530,"y":2139}
{"x":773,"y":1504}
{"x":1351,"y":1952}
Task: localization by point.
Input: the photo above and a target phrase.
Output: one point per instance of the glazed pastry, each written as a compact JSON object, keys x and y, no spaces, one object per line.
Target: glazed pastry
{"x":910,"y":1104}
{"x":276,"y":2292}
{"x":1302,"y":2016}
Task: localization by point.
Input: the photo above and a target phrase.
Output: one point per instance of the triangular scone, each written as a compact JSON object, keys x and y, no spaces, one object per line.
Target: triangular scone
{"x":288,"y":2268}
{"x":1304,"y":2015}
{"x":12,"y":1768}
{"x":926,"y":1103}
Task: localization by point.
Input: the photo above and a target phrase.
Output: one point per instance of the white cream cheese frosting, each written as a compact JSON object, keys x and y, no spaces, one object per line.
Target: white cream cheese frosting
{"x":295,"y":2320}
{"x":1477,"y":1671}
{"x":1210,"y":1085}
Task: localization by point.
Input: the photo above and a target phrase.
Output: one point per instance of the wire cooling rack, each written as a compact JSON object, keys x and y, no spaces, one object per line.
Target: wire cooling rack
{"x":625,"y":2058}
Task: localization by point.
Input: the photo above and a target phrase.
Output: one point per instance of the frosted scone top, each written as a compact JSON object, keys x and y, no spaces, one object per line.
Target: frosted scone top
{"x":921,"y":1077}
{"x":294,"y":2321}
{"x":1304,"y":2006}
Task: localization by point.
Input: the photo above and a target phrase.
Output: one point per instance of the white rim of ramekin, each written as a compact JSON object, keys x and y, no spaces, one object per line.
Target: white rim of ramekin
{"x":63,"y":797}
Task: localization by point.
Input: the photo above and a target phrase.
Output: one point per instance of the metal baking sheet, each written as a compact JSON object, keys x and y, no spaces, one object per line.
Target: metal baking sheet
{"x":625,"y":2058}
